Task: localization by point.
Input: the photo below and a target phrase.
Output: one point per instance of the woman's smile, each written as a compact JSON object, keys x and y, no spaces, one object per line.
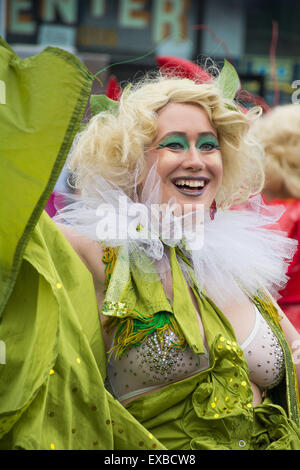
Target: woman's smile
{"x":191,"y":186}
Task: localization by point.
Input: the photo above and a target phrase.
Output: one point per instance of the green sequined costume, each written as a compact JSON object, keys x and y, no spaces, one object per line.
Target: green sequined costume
{"x":52,"y":370}
{"x":213,"y":409}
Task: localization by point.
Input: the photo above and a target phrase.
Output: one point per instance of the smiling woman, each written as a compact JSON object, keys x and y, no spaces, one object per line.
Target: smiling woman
{"x":174,"y":320}
{"x":190,"y":350}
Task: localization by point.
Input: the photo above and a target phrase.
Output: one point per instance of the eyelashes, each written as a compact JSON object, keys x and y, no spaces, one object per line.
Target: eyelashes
{"x":174,"y":143}
{"x":172,"y":146}
{"x":208,"y":141}
{"x":213,"y":145}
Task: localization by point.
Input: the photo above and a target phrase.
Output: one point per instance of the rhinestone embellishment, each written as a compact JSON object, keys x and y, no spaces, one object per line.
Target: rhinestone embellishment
{"x":160,"y":355}
{"x":158,"y":360}
{"x":279,"y":368}
{"x":266,"y":359}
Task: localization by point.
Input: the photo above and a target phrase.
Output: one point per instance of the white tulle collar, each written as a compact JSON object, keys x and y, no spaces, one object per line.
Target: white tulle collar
{"x":241,"y":246}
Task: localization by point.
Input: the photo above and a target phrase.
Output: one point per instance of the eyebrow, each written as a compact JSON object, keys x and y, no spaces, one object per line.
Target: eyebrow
{"x":183,"y":134}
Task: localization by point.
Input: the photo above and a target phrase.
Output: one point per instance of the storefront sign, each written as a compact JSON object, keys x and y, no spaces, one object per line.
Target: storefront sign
{"x":122,"y":26}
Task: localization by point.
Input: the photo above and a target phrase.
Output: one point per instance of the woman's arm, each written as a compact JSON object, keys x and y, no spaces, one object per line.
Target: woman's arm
{"x":90,"y":252}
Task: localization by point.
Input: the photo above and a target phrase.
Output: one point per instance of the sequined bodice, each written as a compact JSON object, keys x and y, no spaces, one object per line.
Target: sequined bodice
{"x":156,"y":363}
{"x":151,"y":365}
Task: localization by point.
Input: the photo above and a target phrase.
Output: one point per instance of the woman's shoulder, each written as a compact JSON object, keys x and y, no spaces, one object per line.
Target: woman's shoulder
{"x":89,"y":251}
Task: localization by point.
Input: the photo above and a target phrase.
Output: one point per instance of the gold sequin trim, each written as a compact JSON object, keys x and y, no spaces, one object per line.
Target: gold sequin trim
{"x":118,"y":309}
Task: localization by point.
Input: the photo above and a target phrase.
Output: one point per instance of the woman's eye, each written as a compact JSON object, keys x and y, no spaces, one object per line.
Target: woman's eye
{"x":207,"y":147}
{"x":172,"y":146}
{"x":175,"y":146}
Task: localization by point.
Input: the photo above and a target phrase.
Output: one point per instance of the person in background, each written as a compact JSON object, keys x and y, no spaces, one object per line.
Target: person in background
{"x":279,"y":133}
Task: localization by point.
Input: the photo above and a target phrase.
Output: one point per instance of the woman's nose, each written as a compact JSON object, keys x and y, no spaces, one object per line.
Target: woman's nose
{"x":193,"y":159}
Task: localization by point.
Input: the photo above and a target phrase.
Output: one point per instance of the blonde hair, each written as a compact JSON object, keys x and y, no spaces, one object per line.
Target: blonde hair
{"x":279,"y":133}
{"x":114,"y":144}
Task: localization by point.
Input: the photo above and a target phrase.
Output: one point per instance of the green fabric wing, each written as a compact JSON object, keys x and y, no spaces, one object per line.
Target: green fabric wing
{"x":52,"y":394}
{"x":35,"y":137}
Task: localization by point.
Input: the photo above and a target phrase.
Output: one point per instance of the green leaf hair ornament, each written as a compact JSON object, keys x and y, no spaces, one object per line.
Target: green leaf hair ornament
{"x":228,"y":81}
{"x":100,"y":103}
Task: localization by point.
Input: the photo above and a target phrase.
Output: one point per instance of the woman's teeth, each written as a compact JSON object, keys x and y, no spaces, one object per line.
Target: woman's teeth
{"x":190,"y":183}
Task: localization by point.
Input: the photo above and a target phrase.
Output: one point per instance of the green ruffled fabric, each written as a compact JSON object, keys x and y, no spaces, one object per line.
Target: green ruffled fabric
{"x":52,"y":385}
{"x":140,"y":298}
{"x":213,"y":409}
{"x":189,"y":423}
{"x":35,"y":137}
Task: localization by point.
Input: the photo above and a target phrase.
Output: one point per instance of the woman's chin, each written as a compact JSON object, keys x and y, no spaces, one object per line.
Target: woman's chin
{"x":187,"y":199}
{"x":180,"y":206}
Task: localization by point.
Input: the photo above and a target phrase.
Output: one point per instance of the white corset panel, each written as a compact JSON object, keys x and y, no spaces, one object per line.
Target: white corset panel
{"x":264,"y":355}
{"x":152,"y":365}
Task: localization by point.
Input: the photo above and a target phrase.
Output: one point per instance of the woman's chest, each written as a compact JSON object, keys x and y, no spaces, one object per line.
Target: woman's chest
{"x":241,"y":315}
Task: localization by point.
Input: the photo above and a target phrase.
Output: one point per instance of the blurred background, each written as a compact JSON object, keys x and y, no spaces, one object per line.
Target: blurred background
{"x":260,"y":37}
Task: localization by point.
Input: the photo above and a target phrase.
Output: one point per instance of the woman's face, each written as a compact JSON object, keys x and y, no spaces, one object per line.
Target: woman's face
{"x":189,"y":160}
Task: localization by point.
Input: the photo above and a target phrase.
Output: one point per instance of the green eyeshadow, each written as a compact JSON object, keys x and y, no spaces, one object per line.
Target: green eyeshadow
{"x":174,"y":139}
{"x":184,"y":144}
{"x":208,"y":140}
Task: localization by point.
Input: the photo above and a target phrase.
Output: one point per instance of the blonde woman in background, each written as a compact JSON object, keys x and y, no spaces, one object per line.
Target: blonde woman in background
{"x":279,"y":133}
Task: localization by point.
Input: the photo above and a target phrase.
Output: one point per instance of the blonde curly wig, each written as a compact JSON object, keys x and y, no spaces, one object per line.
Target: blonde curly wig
{"x":279,"y":133}
{"x":114,"y":144}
